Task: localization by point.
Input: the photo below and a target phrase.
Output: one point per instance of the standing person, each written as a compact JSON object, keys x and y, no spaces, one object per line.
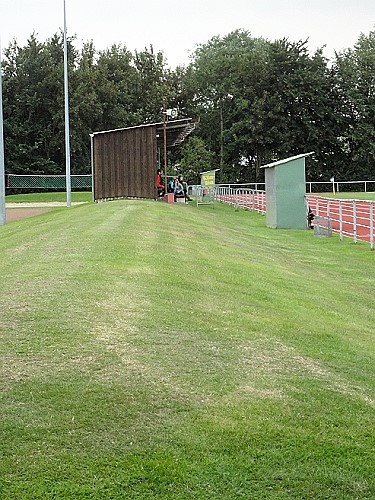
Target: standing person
{"x":185,"y":186}
{"x":159,"y":183}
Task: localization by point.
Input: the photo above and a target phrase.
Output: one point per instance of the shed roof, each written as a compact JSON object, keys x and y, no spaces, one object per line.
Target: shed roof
{"x":177,"y":131}
{"x":209,"y":171}
{"x":291,"y":158}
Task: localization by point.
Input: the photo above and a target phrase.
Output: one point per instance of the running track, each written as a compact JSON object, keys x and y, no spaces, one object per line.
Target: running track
{"x":350,"y":218}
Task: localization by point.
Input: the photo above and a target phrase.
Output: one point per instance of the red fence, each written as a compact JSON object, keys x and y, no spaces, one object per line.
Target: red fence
{"x":243,"y":198}
{"x":350,"y":218}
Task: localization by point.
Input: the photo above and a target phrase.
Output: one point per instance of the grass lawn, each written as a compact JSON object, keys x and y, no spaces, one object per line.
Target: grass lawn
{"x":76,"y":196}
{"x":167,"y":351}
{"x":360,"y":195}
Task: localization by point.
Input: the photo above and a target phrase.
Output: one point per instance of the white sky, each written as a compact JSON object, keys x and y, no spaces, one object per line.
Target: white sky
{"x":177,"y":26}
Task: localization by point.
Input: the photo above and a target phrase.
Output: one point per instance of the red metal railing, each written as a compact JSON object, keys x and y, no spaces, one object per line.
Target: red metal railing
{"x":250,"y":199}
{"x":350,"y":218}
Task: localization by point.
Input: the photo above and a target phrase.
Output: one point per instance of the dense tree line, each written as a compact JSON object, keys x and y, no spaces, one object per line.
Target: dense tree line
{"x":256,"y":101}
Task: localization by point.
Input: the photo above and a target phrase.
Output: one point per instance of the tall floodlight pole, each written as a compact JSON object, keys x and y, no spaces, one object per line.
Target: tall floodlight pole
{"x":92,"y":166}
{"x":2,"y":163}
{"x":67,"y":133}
{"x":165,"y":147}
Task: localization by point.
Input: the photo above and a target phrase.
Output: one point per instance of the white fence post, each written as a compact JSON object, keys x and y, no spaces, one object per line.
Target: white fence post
{"x":340,"y":217}
{"x":351,"y":222}
{"x":372,"y":226}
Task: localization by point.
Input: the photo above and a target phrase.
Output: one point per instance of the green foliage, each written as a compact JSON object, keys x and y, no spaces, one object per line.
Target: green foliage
{"x":152,"y":91}
{"x":256,"y":101}
{"x":355,"y":69}
{"x":227,"y":72}
{"x":195,"y":158}
{"x":265,"y":101}
{"x":33,"y":106}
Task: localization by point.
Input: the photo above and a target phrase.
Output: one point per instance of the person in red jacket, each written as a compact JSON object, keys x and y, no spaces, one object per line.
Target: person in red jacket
{"x":159,"y":183}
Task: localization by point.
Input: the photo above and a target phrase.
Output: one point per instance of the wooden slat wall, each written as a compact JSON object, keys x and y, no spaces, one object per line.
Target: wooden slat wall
{"x":125,"y":163}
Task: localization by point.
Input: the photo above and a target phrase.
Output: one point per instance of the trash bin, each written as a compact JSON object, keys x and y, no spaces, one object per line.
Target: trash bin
{"x":322,"y":226}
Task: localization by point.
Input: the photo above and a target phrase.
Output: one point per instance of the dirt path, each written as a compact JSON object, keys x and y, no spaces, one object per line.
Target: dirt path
{"x":23,"y":213}
{"x":17,"y":211}
{"x":42,"y":204}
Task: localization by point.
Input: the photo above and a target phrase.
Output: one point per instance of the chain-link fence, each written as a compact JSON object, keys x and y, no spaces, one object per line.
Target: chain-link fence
{"x":47,"y":182}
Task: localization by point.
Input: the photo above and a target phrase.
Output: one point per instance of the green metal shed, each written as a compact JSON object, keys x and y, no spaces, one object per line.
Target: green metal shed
{"x":285,"y":193}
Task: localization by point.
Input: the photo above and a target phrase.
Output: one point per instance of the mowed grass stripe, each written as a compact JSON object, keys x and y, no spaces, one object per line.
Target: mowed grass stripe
{"x":158,"y":351}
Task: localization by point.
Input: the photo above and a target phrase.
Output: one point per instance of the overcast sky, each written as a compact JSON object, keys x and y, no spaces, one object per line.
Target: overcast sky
{"x":177,"y":26}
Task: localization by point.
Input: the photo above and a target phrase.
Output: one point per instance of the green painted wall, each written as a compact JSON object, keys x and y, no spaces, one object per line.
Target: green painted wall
{"x":285,"y":188}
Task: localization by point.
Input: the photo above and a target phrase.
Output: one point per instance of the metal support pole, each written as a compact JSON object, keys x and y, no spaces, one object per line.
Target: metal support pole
{"x":92,"y":166}
{"x":2,"y":163}
{"x":67,"y":132}
{"x":221,"y":136}
{"x":165,"y":147}
{"x":354,"y":221}
{"x":372,"y":226}
{"x":340,"y":217}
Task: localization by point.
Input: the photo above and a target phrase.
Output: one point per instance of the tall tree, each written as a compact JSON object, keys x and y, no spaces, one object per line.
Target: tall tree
{"x":115,"y":83}
{"x":256,"y":100}
{"x":355,"y":72}
{"x":153,"y":91}
{"x":264,"y":100}
{"x":303,"y":108}
{"x":195,"y":158}
{"x":34,"y":105}
{"x":85,"y":107}
{"x":225,"y":71}
{"x":30,"y":96}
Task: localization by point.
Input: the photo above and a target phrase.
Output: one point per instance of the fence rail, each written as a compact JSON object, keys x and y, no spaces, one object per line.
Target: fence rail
{"x":351,"y":218}
{"x":315,"y":186}
{"x":241,"y":197}
{"x":28,"y":181}
{"x":16,"y":181}
{"x":348,"y":218}
{"x":365,"y":186}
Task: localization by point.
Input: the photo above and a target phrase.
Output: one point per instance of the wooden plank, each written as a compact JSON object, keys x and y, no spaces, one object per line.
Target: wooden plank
{"x":125,"y":163}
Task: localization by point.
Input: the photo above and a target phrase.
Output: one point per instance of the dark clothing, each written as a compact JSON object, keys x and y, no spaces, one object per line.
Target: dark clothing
{"x":179,"y":190}
{"x":310,"y":219}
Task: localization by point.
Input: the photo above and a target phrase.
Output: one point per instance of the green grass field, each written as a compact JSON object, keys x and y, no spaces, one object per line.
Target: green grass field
{"x":167,"y":351}
{"x":359,"y":195}
{"x":76,"y":196}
